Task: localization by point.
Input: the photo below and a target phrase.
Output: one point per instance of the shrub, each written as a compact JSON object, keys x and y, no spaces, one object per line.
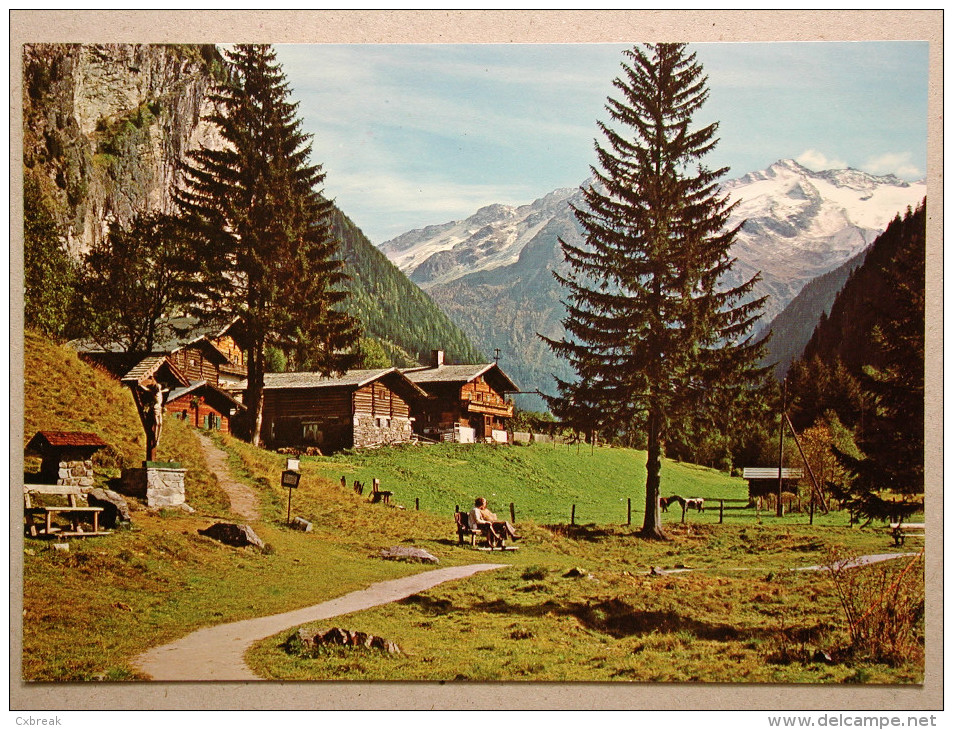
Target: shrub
{"x":882,"y":606}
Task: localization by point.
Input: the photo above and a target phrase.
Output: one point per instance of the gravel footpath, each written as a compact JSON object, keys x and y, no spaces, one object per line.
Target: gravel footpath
{"x":242,"y":500}
{"x":216,"y":653}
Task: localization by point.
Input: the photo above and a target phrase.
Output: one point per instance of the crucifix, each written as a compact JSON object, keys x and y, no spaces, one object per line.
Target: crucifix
{"x":148,"y":396}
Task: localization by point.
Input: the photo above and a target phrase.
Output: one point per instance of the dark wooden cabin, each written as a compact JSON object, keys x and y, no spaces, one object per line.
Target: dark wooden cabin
{"x":763,"y":481}
{"x":204,"y":406}
{"x":467,"y":403}
{"x":359,"y":409}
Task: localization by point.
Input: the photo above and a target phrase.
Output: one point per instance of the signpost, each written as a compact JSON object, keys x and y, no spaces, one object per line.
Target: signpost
{"x":290,"y":478}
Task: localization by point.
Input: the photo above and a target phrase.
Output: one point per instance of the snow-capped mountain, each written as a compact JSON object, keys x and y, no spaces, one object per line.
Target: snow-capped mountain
{"x":491,"y":238}
{"x":491,"y":272}
{"x":800,"y":224}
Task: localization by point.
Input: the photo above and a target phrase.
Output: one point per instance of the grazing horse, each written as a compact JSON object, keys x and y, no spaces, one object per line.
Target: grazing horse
{"x":696,"y":502}
{"x":665,"y":502}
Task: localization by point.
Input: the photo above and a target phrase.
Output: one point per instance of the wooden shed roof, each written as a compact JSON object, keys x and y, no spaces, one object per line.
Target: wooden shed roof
{"x":759,"y":472}
{"x":64,"y":439}
{"x":205,"y":389}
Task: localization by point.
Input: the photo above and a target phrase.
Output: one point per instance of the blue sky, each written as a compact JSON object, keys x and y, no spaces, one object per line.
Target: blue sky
{"x":413,"y":135}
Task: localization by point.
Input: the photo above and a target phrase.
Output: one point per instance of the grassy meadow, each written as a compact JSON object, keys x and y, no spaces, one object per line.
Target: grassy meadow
{"x":589,"y":602}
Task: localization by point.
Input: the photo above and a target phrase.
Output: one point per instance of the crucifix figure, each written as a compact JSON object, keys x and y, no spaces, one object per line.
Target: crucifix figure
{"x":149,"y":402}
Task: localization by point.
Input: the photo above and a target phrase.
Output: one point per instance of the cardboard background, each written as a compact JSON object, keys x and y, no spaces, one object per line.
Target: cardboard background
{"x":493,"y":26}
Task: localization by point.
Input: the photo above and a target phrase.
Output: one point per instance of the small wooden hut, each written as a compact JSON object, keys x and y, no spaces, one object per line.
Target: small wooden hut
{"x":66,"y":456}
{"x":763,"y":481}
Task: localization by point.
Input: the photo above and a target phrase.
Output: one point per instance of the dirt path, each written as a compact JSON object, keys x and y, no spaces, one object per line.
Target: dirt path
{"x":856,"y":562}
{"x":216,"y":653}
{"x":243,"y":501}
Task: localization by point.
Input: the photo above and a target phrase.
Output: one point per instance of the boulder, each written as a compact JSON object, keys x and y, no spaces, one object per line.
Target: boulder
{"x":232,"y":534}
{"x":408,"y":554}
{"x":299,"y":523}
{"x":115,"y":508}
{"x":344,"y":637}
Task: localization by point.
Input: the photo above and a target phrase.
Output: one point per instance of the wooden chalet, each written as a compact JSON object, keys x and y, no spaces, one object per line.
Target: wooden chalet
{"x":467,"y":403}
{"x":359,"y":409}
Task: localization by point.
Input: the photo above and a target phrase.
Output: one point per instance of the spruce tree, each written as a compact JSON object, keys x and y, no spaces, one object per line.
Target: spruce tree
{"x":651,"y":332}
{"x":264,"y":248}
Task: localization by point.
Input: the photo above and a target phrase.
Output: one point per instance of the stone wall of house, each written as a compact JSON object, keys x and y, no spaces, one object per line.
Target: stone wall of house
{"x":370,"y":431}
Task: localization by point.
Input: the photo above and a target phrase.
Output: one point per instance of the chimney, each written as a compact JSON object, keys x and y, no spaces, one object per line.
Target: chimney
{"x":436,"y":358}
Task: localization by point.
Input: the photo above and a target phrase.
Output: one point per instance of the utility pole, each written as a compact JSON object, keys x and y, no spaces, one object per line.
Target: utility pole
{"x":784,"y":408}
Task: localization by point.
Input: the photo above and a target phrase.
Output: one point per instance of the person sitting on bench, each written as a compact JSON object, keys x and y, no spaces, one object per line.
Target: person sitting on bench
{"x":494,"y":529}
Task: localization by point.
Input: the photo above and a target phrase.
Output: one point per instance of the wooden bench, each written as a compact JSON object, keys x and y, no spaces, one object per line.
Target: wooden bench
{"x":461,"y":521}
{"x":76,"y":514}
{"x":900,"y":531}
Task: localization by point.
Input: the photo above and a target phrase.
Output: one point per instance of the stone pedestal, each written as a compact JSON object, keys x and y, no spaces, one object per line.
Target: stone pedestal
{"x":160,"y":484}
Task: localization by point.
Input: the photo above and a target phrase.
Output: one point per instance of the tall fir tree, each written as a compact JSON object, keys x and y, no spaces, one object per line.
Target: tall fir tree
{"x":650,"y":333}
{"x":264,"y":249}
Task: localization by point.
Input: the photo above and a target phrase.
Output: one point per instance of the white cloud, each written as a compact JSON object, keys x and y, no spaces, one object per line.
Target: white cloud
{"x":898,"y":164}
{"x":401,"y":203}
{"x":818,"y":161}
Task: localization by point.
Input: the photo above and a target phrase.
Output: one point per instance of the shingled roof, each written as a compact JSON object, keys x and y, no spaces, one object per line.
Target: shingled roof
{"x":171,"y":335}
{"x":460,"y":374}
{"x":352,"y":379}
{"x":149,"y":367}
{"x":64,"y":439}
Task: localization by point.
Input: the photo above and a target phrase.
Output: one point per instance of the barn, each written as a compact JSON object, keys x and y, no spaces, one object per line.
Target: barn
{"x":359,"y":409}
{"x":467,"y":403}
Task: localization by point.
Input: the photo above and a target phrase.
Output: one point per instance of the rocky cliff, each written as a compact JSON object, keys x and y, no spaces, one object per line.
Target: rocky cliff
{"x":103,"y":127}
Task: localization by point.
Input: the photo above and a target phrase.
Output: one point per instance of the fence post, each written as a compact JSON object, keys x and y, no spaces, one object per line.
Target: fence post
{"x":512,"y":513}
{"x":417,"y":503}
{"x":628,"y":518}
{"x":572,"y":518}
{"x":721,"y":511}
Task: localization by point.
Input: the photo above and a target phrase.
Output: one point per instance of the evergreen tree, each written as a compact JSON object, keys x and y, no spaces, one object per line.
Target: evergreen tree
{"x":265,"y":248}
{"x":650,"y":333}
{"x":131,"y":280}
{"x":49,"y":274}
{"x":888,"y":482}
